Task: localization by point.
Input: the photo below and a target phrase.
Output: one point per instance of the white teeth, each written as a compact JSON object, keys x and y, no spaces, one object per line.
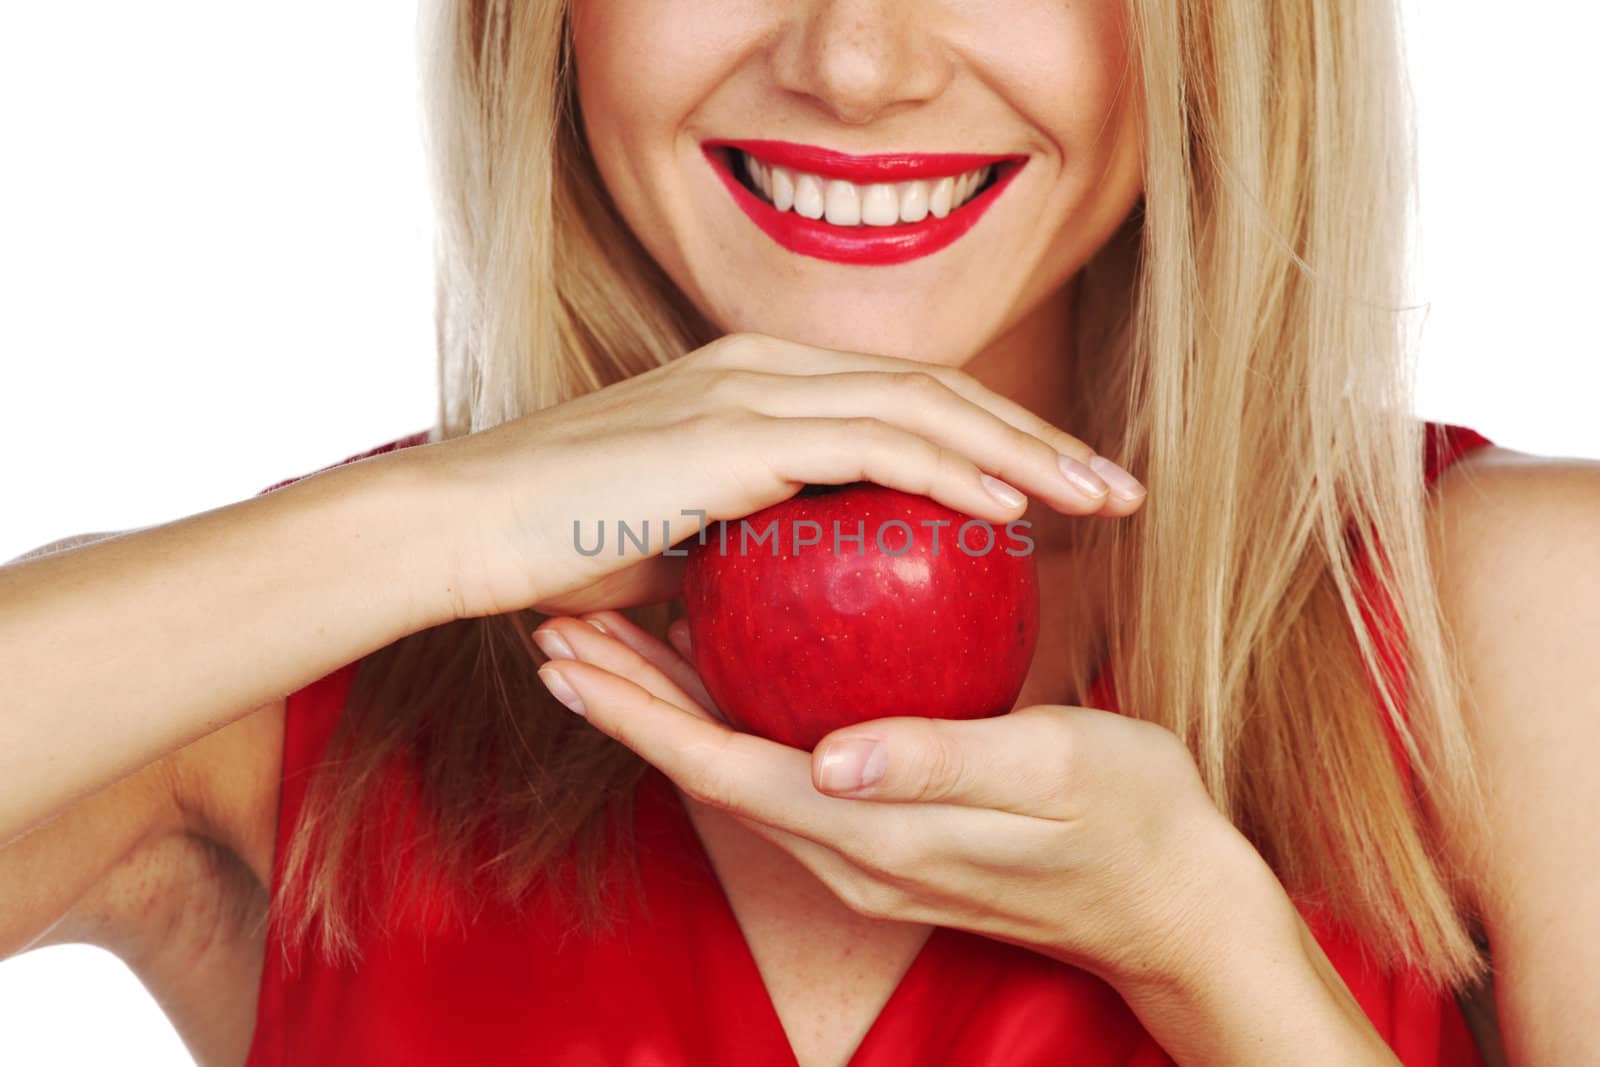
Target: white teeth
{"x":782,"y":188}
{"x":913,"y":201}
{"x":808,"y":196}
{"x":845,"y":203}
{"x":880,"y":206}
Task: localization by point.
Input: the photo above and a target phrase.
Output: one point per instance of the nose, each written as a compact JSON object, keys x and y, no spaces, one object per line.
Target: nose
{"x":861,"y":59}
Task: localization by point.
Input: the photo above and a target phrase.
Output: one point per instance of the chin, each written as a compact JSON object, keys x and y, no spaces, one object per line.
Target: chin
{"x":903,"y":334}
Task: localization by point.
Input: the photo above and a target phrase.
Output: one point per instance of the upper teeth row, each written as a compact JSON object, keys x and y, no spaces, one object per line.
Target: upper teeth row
{"x":848,"y":204}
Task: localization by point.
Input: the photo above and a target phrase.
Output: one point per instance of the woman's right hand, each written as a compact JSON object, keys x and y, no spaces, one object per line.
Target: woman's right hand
{"x":728,"y":429}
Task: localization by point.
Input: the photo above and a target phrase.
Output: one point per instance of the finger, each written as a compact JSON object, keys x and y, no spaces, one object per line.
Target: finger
{"x":678,"y":634}
{"x":830,"y":867}
{"x":811,"y":360}
{"x":824,"y":451}
{"x":846,"y":843}
{"x":1019,"y":763}
{"x":765,"y":783}
{"x":755,"y":352}
{"x":675,"y":664}
{"x":572,"y":639}
{"x":922,"y":403}
{"x":750,"y":776}
{"x":863,"y":889}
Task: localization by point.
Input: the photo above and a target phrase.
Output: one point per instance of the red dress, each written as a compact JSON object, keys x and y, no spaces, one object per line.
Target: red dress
{"x":684,"y":990}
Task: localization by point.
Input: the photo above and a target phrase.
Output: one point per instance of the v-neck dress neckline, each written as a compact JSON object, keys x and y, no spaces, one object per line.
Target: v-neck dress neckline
{"x":710,"y":897}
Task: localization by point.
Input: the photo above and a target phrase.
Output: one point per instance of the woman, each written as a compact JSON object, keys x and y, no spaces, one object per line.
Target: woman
{"x":1239,"y":814}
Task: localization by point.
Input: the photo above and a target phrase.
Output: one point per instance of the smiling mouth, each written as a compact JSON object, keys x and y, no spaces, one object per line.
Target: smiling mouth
{"x":873,"y":210}
{"x":846,"y":203}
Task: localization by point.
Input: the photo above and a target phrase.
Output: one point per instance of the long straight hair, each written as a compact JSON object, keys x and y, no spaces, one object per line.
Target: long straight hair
{"x":1245,"y":337}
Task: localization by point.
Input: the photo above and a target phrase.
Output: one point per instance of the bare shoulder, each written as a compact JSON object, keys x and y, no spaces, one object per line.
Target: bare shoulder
{"x":1515,"y":548}
{"x":1498,"y":478}
{"x":1516,"y":553}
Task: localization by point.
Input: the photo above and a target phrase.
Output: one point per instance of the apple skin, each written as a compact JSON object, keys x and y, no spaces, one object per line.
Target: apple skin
{"x":796,"y":646}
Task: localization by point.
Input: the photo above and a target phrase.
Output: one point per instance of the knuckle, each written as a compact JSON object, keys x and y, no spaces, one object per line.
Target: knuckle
{"x":868,"y":430}
{"x":891,"y":855}
{"x":1056,"y":739}
{"x":715,"y":422}
{"x":712,"y":791}
{"x":728,"y":350}
{"x":1168,"y":742}
{"x":705,"y":781}
{"x":707,"y":356}
{"x":918,"y":386}
{"x":924,"y":466}
{"x":941,"y":770}
{"x":1062,"y":738}
{"x":729,"y":387}
{"x":855,"y":894}
{"x":1025,"y":443}
{"x":954,"y":378}
{"x":871,"y":898}
{"x":948,"y":465}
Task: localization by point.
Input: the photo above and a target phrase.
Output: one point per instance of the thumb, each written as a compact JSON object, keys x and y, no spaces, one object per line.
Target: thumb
{"x":901,"y":759}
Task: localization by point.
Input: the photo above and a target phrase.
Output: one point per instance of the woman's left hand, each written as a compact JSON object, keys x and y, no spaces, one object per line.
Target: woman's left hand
{"x":1078,"y":833}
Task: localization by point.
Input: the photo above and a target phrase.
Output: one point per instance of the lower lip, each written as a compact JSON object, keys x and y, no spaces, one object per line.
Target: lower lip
{"x":876,"y":246}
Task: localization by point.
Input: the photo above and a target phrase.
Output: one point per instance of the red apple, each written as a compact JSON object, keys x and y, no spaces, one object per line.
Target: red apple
{"x":798,"y":634}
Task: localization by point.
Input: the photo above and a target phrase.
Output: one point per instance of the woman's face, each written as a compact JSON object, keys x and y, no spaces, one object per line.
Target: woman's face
{"x":913,"y":255}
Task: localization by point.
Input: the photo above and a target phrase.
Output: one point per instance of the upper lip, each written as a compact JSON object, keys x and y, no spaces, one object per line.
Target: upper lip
{"x":878,"y":167}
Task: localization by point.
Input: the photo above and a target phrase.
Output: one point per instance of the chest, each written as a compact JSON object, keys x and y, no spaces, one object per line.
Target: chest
{"x":828,"y":985}
{"x":828,"y":972}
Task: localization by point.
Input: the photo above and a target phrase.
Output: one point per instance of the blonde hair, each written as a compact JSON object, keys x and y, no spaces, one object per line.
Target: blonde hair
{"x":1250,"y":362}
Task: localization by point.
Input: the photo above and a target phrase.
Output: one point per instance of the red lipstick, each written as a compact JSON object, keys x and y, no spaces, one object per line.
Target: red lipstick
{"x":860,"y":245}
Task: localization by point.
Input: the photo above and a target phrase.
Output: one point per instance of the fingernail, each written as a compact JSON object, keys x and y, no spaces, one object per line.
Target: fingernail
{"x":851,"y":765}
{"x":1122,"y":483}
{"x":1006,"y":494}
{"x":1082,"y":478}
{"x":598,"y":626}
{"x":561,"y":690}
{"x":553,"y":644}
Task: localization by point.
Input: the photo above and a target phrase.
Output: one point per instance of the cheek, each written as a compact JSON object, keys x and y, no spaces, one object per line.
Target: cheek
{"x":643,"y":67}
{"x":614,"y":64}
{"x":1067,"y":70}
{"x":1071,"y":73}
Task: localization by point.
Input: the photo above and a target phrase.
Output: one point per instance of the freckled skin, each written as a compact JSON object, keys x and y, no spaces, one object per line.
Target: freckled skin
{"x":797,"y":645}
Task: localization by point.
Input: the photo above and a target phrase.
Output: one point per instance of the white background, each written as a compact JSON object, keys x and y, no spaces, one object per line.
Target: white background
{"x":214,"y":241}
